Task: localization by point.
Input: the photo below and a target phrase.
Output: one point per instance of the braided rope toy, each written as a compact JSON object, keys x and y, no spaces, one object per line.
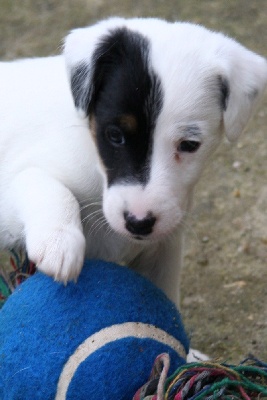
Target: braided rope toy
{"x":21,"y":269}
{"x":206,"y":381}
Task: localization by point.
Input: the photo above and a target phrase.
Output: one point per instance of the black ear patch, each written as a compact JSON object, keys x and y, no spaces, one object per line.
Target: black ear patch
{"x":125,"y":99}
{"x":224,"y":91}
{"x":122,"y":57}
{"x":81,"y":86}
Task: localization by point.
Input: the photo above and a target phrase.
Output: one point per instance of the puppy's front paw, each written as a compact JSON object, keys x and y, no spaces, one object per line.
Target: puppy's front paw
{"x":58,"y":252}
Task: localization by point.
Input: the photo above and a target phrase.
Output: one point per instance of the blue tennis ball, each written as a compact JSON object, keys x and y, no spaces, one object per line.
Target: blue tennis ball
{"x":96,"y":339}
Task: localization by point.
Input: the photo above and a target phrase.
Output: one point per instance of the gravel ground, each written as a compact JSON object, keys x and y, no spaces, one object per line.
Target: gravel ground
{"x":225,"y":272}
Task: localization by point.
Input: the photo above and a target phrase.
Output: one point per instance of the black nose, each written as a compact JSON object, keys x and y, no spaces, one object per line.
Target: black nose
{"x":139,"y":226}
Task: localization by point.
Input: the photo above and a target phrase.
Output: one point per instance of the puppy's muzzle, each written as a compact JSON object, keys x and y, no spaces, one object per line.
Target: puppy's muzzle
{"x":137,"y":226}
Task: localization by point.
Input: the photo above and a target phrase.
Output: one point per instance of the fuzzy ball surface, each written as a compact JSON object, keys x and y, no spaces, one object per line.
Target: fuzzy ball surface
{"x":96,"y":339}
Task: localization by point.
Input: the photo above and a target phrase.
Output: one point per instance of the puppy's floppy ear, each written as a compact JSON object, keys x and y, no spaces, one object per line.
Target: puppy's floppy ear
{"x":79,"y":50}
{"x":243,"y":81}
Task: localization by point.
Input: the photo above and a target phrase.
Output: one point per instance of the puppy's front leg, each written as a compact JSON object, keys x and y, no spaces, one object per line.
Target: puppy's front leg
{"x":166,"y":265}
{"x":50,"y":218}
{"x":166,"y":274}
{"x":162,"y":264}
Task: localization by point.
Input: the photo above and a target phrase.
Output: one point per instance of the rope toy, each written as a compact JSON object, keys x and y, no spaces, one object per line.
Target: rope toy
{"x":206,"y":381}
{"x":20,"y":269}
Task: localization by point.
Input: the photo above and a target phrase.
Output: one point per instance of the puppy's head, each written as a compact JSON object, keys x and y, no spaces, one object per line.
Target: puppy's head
{"x":158,"y":96}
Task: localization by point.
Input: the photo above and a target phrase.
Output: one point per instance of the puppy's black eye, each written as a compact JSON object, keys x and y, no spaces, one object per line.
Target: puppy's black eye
{"x":115,"y":136}
{"x":188,"y":146}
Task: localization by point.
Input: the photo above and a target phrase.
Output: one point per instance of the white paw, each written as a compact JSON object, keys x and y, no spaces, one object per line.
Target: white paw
{"x":196,"y":356}
{"x":58,"y":252}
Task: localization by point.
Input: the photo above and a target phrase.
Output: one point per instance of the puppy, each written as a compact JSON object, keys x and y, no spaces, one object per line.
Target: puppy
{"x":152,"y":101}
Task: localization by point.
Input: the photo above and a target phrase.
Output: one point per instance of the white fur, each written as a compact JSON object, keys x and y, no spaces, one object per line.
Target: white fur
{"x":50,"y":170}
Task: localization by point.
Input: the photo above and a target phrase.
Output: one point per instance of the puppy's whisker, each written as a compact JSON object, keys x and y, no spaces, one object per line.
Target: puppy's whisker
{"x":91,"y":205}
{"x":90,"y":200}
{"x":75,"y":126}
{"x":87,"y":203}
{"x":190,"y":229}
{"x":97,"y":225}
{"x":87,"y":200}
{"x":92,"y":215}
{"x":97,"y":215}
{"x":109,"y":231}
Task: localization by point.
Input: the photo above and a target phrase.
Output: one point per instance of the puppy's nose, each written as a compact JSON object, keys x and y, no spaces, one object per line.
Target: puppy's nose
{"x":139,"y":226}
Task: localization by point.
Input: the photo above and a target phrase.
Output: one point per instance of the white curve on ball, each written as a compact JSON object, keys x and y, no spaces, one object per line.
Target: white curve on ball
{"x":107,"y":335}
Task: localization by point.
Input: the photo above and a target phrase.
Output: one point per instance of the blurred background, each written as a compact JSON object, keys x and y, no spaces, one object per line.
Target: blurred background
{"x":224,"y":291}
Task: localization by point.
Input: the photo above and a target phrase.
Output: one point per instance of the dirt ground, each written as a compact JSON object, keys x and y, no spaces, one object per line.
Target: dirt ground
{"x":225,"y":273}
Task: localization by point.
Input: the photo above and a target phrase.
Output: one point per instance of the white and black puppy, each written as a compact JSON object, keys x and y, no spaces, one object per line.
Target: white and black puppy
{"x":155,"y":99}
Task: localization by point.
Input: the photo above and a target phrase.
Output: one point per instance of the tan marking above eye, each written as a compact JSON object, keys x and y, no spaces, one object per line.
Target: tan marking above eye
{"x":177,"y":157}
{"x":92,"y":125}
{"x":128,"y":122}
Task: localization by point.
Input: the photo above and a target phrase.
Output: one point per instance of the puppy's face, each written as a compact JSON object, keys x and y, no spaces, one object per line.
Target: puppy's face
{"x":157,"y":108}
